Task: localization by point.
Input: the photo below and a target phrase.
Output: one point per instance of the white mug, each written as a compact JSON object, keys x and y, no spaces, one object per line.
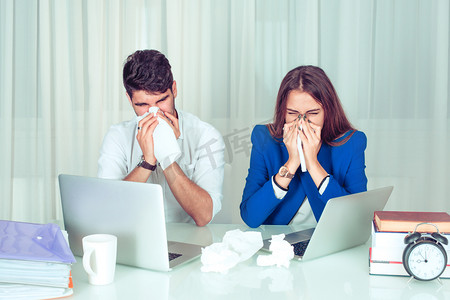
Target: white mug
{"x":99,"y":258}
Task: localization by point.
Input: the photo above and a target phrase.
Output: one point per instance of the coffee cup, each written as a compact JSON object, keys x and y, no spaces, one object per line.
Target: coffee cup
{"x":99,"y":258}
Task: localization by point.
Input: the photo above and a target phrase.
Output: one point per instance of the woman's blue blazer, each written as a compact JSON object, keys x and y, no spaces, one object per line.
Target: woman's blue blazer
{"x":345,"y":164}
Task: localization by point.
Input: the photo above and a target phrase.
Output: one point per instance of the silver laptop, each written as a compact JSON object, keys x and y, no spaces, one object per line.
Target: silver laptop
{"x":345,"y":223}
{"x":132,"y":211}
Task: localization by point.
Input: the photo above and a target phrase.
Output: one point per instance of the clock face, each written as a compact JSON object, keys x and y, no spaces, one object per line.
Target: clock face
{"x":426,"y":260}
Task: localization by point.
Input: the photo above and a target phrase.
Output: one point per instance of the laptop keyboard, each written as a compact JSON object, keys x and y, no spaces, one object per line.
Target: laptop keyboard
{"x":300,"y":247}
{"x":172,"y":256}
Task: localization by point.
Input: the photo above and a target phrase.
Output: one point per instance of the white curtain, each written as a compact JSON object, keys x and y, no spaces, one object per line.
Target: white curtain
{"x":60,"y":84}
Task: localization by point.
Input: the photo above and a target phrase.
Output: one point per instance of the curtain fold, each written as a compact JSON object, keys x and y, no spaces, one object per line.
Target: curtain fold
{"x":61,"y":87}
{"x":6,"y":108}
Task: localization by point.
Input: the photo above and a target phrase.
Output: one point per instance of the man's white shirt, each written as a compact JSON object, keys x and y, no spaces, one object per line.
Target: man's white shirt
{"x":202,"y":160}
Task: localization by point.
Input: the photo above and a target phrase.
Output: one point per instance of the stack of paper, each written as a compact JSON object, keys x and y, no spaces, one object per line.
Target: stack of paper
{"x":35,"y":261}
{"x":386,"y":253}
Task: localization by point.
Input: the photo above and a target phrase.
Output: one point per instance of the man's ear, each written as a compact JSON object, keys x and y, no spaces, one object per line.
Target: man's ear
{"x":129,"y":98}
{"x":174,"y":89}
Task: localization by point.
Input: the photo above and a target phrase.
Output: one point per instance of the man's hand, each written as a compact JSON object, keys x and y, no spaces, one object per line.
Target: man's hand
{"x":146,"y":127}
{"x":172,"y":121}
{"x":195,"y":201}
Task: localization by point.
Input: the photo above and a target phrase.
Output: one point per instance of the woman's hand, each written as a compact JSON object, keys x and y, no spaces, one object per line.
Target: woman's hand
{"x":311,"y":140}
{"x":290,"y":133}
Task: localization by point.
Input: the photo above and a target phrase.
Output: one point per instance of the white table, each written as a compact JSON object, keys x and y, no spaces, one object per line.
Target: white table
{"x":342,"y":275}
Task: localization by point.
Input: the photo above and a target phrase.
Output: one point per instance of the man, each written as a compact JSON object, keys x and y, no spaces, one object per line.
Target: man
{"x":192,"y":184}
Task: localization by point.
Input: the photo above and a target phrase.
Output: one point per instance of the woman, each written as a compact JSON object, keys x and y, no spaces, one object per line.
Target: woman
{"x":276,"y":190}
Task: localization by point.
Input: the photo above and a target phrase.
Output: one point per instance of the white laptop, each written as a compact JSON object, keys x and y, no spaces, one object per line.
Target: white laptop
{"x":132,"y":211}
{"x":345,"y":223}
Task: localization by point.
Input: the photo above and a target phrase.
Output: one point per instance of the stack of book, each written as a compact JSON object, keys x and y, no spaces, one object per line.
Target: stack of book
{"x":389,"y":229}
{"x":35,"y":261}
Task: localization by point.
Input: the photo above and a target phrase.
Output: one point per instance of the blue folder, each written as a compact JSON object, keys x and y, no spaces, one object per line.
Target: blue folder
{"x":34,"y":242}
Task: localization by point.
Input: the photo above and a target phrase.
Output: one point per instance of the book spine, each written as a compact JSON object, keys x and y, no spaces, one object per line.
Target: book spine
{"x":389,"y":262}
{"x":402,"y":221}
{"x":407,"y":226}
{"x":394,"y":239}
{"x":387,"y":269}
{"x":387,"y":254}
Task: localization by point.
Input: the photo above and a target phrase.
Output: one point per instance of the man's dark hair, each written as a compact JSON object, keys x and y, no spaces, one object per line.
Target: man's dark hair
{"x":147,"y":70}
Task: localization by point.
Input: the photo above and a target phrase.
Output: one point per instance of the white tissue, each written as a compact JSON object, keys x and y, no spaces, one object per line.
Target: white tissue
{"x":282,"y":253}
{"x":236,"y":247}
{"x":165,"y":143}
{"x":300,"y":152}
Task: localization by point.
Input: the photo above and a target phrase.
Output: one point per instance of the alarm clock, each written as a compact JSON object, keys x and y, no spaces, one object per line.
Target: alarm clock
{"x":424,"y":257}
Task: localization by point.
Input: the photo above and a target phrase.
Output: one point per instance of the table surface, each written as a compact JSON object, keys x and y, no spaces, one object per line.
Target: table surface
{"x":343,"y":275}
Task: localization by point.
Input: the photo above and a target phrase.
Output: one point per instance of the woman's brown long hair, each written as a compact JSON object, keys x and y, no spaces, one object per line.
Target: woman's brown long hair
{"x":315,"y":82}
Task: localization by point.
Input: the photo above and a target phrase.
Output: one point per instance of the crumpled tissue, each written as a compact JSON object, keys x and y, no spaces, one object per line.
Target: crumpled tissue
{"x":165,"y":143}
{"x":236,"y":247}
{"x":282,"y":253}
